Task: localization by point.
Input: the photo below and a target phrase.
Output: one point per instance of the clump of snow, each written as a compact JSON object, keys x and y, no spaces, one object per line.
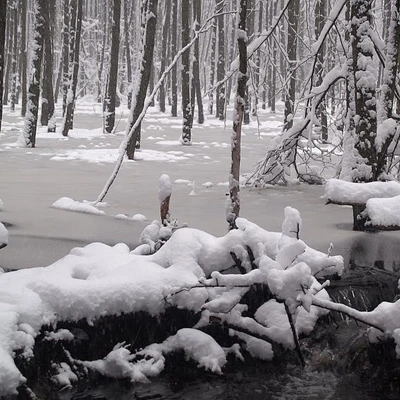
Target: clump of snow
{"x":3,"y":236}
{"x":66,"y":203}
{"x":164,"y":187}
{"x":207,"y":184}
{"x":64,"y":376}
{"x":383,"y":212}
{"x":1,"y":205}
{"x":343,"y":192}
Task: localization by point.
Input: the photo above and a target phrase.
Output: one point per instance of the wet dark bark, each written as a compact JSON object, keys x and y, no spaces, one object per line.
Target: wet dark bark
{"x":48,"y":109}
{"x":70,"y":106}
{"x":174,"y":45}
{"x":23,"y":58}
{"x":234,"y":186}
{"x":111,"y":91}
{"x":128,"y":51}
{"x":187,"y":115}
{"x":220,"y":92}
{"x":149,"y":20}
{"x":291,"y":49}
{"x":29,"y":132}
{"x":196,"y":64}
{"x":3,"y":5}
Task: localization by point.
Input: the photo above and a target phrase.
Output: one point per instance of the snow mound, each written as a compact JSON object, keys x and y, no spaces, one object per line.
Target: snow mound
{"x":66,"y":203}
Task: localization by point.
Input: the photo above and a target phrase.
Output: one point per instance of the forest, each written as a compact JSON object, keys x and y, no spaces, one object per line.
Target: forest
{"x":226,"y":114}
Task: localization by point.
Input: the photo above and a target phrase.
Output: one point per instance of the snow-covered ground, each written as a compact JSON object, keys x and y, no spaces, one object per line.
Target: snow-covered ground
{"x":31,"y":180}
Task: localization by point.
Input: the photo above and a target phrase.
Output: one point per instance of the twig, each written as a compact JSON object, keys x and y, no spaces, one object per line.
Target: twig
{"x":295,"y":338}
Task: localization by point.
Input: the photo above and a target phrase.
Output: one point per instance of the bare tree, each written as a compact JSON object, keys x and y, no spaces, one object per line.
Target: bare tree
{"x":28,"y":136}
{"x":110,"y":97}
{"x":3,"y":6}
{"x":74,"y":69}
{"x":149,"y":20}
{"x":186,"y":138}
{"x":234,"y":186}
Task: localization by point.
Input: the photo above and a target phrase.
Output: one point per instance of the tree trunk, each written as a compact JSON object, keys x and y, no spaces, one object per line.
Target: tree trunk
{"x":48,"y":109}
{"x":196,"y":65}
{"x":149,"y":21}
{"x":23,"y":58}
{"x":291,"y":49}
{"x":14,"y":73}
{"x":220,"y":92}
{"x":65,"y":51}
{"x":164,"y":46}
{"x":128,"y":52}
{"x":365,"y":95}
{"x":70,"y":106}
{"x":388,"y":89}
{"x":187,"y":115}
{"x":110,"y":97}
{"x":174,"y":45}
{"x":320,"y":13}
{"x":29,"y":131}
{"x":212,"y":69}
{"x":234,"y":187}
{"x":3,"y":6}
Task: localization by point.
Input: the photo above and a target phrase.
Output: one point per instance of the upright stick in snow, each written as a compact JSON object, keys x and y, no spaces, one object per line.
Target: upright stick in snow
{"x":234,"y":199}
{"x":164,"y":195}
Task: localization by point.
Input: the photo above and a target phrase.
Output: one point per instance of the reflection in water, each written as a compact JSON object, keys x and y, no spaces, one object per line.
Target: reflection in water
{"x":379,"y":250}
{"x":248,"y":384}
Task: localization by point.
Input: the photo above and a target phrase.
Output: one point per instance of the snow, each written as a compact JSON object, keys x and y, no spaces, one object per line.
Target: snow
{"x":65,"y":203}
{"x":164,"y":187}
{"x":3,"y":236}
{"x":383,"y":212}
{"x":99,"y":280}
{"x":342,"y":192}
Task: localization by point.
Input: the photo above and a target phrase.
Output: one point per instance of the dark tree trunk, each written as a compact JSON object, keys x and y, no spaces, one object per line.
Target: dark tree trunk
{"x":70,"y":106}
{"x":220,"y":93}
{"x":29,"y":132}
{"x":111,"y":92}
{"x":365,"y":95}
{"x":164,"y":46}
{"x":290,"y":95}
{"x":3,"y":6}
{"x":47,"y":116}
{"x":196,"y":65}
{"x":212,"y":69}
{"x":174,"y":39}
{"x":102,"y":53}
{"x":149,"y":21}
{"x":7,"y":55}
{"x":14,"y":72}
{"x":187,"y":115}
{"x":234,"y":209}
{"x":320,"y":14}
{"x":65,"y":51}
{"x":128,"y":51}
{"x":23,"y":58}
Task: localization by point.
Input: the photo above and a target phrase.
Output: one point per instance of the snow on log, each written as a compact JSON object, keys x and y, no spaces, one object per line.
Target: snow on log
{"x":338,"y":191}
